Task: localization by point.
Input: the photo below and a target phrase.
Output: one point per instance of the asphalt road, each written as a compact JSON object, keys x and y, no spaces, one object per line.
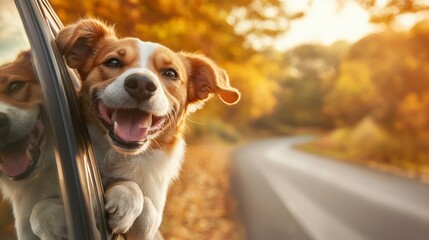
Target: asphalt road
{"x":287,"y":194}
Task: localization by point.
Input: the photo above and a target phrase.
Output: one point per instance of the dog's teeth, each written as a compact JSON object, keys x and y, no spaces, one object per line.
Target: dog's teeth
{"x":149,"y":121}
{"x":114,"y":115}
{"x":115,"y":126}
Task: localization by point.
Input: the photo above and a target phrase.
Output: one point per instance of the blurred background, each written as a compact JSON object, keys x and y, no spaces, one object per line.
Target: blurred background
{"x":351,"y":73}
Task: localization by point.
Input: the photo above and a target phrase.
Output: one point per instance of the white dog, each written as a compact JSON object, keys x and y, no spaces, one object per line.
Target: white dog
{"x":136,"y":96}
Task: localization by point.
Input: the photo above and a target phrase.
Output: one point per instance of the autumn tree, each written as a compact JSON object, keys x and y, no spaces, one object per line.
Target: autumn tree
{"x":396,"y":64}
{"x":309,"y":71}
{"x":370,"y":80}
{"x":382,"y":92}
{"x":387,"y":11}
{"x":221,"y":29}
{"x":352,"y":96}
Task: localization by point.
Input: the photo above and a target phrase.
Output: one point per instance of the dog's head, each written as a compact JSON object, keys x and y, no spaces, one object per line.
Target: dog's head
{"x":21,"y":120}
{"x":138,"y":91}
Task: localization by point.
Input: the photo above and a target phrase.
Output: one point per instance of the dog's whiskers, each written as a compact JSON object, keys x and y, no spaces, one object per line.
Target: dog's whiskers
{"x":193,"y":121}
{"x":108,"y":156}
{"x":157,"y":143}
{"x":94,"y":101}
{"x":146,"y":153}
{"x":126,"y":159}
{"x":173,"y":117}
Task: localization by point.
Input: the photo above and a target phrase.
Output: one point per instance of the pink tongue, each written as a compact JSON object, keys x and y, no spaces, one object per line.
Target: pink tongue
{"x":16,"y":159}
{"x":132,"y":125}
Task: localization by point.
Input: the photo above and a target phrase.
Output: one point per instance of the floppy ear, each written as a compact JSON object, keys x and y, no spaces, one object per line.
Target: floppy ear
{"x":205,"y":79}
{"x":77,"y":41}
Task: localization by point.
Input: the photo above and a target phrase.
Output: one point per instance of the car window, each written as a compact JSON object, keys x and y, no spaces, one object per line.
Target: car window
{"x":12,"y":35}
{"x":28,"y":172}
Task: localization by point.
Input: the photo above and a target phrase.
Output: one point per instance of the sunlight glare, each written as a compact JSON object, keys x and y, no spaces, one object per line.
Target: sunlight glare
{"x":325,"y":23}
{"x":407,"y":21}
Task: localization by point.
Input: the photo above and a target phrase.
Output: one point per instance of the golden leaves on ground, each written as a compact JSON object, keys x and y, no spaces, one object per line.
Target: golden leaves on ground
{"x":199,"y":205}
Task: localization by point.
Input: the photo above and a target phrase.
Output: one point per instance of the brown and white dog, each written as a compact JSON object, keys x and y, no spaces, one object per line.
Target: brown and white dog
{"x":136,"y":96}
{"x":28,"y":177}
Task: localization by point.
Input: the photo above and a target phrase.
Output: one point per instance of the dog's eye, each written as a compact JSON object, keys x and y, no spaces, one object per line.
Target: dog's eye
{"x":15,"y":86}
{"x":170,"y":73}
{"x":113,"y":63}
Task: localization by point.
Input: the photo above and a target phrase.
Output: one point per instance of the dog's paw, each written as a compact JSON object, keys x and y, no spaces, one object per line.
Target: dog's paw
{"x":48,"y":221}
{"x":152,"y":219}
{"x":124,"y":203}
{"x":147,"y":224}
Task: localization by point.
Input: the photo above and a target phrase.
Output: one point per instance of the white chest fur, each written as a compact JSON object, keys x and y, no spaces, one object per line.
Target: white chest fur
{"x":152,"y":170}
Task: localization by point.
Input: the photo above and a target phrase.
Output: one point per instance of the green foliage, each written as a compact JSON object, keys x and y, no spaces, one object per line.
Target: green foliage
{"x":272,"y":125}
{"x":353,"y":88}
{"x":310,"y":71}
{"x":215,"y":128}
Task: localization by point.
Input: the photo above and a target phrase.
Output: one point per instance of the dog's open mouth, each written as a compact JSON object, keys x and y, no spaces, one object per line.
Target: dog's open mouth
{"x":129,"y":128}
{"x":19,"y":159}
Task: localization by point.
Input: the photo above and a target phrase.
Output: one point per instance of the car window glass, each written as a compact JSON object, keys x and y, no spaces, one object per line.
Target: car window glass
{"x":31,"y":203}
{"x":12,"y":35}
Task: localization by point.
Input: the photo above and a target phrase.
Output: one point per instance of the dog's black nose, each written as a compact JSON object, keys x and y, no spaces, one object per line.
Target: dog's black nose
{"x":140,"y":86}
{"x":4,"y":125}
